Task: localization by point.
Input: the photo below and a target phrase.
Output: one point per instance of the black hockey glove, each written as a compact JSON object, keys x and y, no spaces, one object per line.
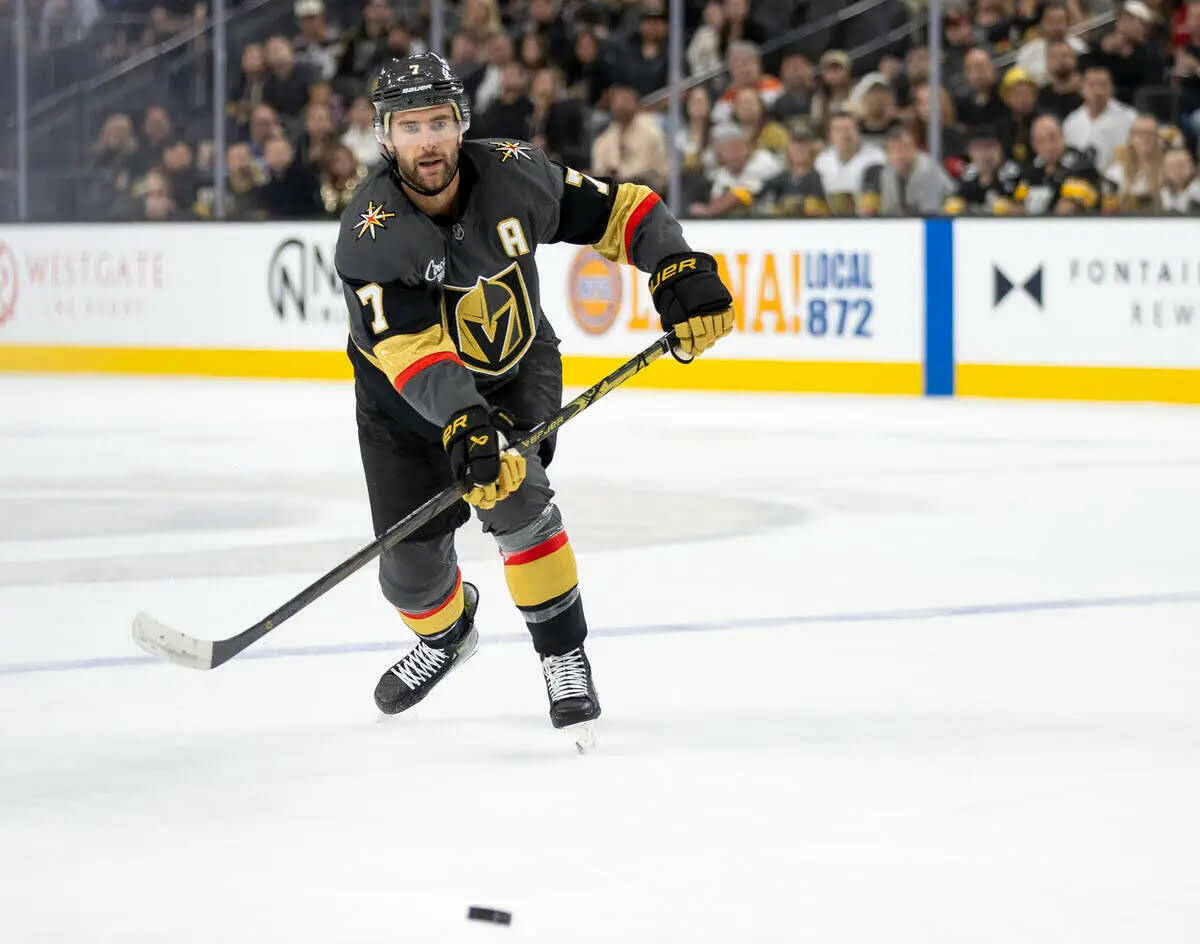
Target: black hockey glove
{"x":692,"y":299}
{"x":474,"y":442}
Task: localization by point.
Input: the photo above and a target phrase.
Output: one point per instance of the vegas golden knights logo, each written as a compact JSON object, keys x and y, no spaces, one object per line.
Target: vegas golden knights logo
{"x":492,"y":322}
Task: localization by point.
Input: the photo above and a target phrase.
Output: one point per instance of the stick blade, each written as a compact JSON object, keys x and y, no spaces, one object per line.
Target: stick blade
{"x":170,"y":644}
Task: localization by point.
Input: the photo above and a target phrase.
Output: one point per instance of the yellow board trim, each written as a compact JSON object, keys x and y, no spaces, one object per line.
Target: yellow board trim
{"x":1163,"y":384}
{"x":578,"y":370}
{"x":203,"y":362}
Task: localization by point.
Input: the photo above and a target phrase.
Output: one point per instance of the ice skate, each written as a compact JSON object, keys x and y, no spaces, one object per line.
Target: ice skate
{"x":574,"y":705}
{"x":423,"y":666}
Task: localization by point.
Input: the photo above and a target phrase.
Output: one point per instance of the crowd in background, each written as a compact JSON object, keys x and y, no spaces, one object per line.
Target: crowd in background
{"x":1102,"y":124}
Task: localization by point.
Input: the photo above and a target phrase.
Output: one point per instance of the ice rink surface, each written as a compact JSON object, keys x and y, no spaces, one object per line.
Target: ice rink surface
{"x":872,"y":671}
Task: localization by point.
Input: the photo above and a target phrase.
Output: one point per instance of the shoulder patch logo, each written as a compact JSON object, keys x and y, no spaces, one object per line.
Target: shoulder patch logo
{"x":513,"y":149}
{"x":374,"y":217}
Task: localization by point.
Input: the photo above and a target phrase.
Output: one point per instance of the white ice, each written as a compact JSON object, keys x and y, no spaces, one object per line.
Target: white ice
{"x":873,"y":670}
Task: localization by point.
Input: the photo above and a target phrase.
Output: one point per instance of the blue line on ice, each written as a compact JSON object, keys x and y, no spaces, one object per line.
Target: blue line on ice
{"x":651,"y":629}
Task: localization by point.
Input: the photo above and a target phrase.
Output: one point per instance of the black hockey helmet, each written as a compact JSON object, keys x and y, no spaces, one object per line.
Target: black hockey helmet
{"x":420,"y":81}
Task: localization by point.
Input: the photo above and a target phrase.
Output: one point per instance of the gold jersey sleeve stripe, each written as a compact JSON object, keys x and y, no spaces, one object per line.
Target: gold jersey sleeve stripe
{"x":614,"y":244}
{"x":404,"y":355}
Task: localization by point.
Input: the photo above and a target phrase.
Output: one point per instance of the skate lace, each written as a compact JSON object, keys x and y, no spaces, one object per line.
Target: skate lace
{"x":566,"y":675}
{"x":419,"y":666}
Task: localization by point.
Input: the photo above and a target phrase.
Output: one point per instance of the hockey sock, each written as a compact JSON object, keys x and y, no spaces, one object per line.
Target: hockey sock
{"x":438,"y":626}
{"x":539,"y":567}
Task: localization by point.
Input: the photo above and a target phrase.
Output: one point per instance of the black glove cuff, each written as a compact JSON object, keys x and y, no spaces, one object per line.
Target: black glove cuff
{"x":462,"y":423}
{"x":685,"y":284}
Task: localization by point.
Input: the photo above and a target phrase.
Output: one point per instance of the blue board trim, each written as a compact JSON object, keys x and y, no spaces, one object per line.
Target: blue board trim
{"x":939,"y":308}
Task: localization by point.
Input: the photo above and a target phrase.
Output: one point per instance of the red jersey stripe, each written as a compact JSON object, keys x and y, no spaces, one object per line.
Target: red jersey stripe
{"x":441,"y":606}
{"x":636,"y":217}
{"x":420,"y":364}
{"x":537,"y":552}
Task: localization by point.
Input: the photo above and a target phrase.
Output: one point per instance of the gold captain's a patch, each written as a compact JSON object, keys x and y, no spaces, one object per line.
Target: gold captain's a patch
{"x":491,"y":322}
{"x":513,"y":149}
{"x":374,"y":217}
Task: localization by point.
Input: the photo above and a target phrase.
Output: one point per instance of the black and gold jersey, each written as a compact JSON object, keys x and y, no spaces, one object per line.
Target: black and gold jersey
{"x":995,"y":197}
{"x":443,"y":310}
{"x":1073,"y":178}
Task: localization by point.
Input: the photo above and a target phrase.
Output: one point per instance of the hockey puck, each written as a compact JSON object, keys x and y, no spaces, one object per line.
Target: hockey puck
{"x":489,"y":914}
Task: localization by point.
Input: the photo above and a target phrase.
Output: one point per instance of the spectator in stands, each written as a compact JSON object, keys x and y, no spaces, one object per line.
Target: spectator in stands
{"x":319,"y":136}
{"x":843,"y":165}
{"x":981,"y":105}
{"x":180,"y":170}
{"x":633,"y":147}
{"x":245,"y":177}
{"x":833,"y":86}
{"x":739,"y":176}
{"x":643,"y":64}
{"x":1181,"y":190}
{"x":1101,"y":124}
{"x":546,"y":21}
{"x":500,"y":53}
{"x":953,"y":143}
{"x":156,"y":128}
{"x":959,"y":40}
{"x":249,"y":92}
{"x":532,"y":52}
{"x":1125,"y":53}
{"x":1186,"y":70}
{"x":588,"y":74}
{"x":480,"y":19}
{"x":291,"y":190}
{"x":1033,"y":56}
{"x":509,"y":115}
{"x":706,"y":49}
{"x":740,"y":25}
{"x":1020,"y":95}
{"x":1135,"y":177}
{"x":316,"y":45}
{"x":360,"y":134}
{"x":286,"y":85}
{"x":745,"y":71}
{"x":797,"y":191}
{"x":398,"y":44}
{"x":466,"y":62}
{"x":361,"y":44}
{"x":1060,"y":179}
{"x":264,"y":125}
{"x":994,"y":22}
{"x":1061,"y":95}
{"x":877,"y":113}
{"x":341,"y":173}
{"x":988,"y":181}
{"x":557,"y":124}
{"x":693,"y":138}
{"x":156,"y":203}
{"x":750,"y":115}
{"x":799,"y":84}
{"x":115,"y":154}
{"x":916,"y":71}
{"x":910,"y":183}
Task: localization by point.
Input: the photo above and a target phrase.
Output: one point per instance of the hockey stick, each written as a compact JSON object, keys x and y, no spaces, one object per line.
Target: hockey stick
{"x":170,"y":644}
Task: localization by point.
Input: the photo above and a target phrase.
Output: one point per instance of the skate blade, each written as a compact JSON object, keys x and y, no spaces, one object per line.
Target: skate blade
{"x":582,"y":735}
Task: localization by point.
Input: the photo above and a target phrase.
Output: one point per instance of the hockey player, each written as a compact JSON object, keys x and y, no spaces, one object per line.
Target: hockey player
{"x":452,"y":354}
